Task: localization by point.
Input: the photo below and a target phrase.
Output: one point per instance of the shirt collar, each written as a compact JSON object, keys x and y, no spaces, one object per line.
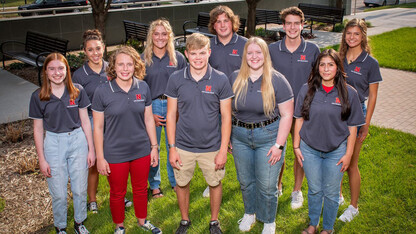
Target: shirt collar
{"x":155,"y":57}
{"x":88,"y":71}
{"x":187,"y":73}
{"x":300,"y":49}
{"x":115,"y":88}
{"x":321,"y":89}
{"x":233,"y":40}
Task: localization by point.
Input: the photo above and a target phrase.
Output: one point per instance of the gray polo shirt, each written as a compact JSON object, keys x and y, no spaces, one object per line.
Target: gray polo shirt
{"x":295,"y":66}
{"x":90,"y":80}
{"x":125,"y":135}
{"x":361,"y":73}
{"x":59,"y":114}
{"x":198,"y":129}
{"x":227,"y":58}
{"x":325,"y":131}
{"x":251,"y":110}
{"x":157,"y":75}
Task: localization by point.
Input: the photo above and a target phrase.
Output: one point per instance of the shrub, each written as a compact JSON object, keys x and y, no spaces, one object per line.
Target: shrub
{"x":136,"y":44}
{"x":17,"y":66}
{"x":2,"y":204}
{"x":14,"y":132}
{"x":27,"y":163}
{"x":75,"y":61}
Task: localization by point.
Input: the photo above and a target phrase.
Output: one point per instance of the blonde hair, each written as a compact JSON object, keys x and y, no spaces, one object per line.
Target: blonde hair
{"x":197,"y":41}
{"x":241,"y":83}
{"x":139,"y":67}
{"x":219,"y":10}
{"x":46,"y":90}
{"x":360,"y":23}
{"x":170,"y":46}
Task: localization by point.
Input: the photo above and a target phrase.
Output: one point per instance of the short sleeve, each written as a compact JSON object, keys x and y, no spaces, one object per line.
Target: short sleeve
{"x":225,"y":92}
{"x":35,"y":111}
{"x":299,"y":101}
{"x":84,"y":101}
{"x":283,"y":90}
{"x":148,"y":94}
{"x":97,"y":101}
{"x":181,"y":60}
{"x":374,"y":75}
{"x":233,"y":77}
{"x":356,"y":117}
{"x":171,"y":88}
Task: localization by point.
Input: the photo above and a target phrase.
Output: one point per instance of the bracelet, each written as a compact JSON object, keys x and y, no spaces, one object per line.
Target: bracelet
{"x":295,"y":148}
{"x":154,"y":146}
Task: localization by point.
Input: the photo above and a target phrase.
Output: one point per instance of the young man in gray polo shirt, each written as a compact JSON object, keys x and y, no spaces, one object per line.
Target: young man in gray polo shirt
{"x":294,"y":58}
{"x":226,"y":46}
{"x":199,"y":94}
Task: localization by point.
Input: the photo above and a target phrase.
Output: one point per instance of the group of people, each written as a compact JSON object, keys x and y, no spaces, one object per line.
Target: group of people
{"x":233,"y":94}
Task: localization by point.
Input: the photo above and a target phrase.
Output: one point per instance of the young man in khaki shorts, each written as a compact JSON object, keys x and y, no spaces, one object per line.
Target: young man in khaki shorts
{"x":199,"y":94}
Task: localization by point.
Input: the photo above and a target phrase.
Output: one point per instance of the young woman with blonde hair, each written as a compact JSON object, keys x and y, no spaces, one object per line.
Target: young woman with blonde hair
{"x":262,"y":111}
{"x":161,"y":60}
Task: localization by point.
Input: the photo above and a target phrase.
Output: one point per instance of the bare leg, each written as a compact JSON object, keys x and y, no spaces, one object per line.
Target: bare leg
{"x":354,"y":175}
{"x":92,"y":183}
{"x":215,"y":194}
{"x":297,"y":169}
{"x":183,"y":200}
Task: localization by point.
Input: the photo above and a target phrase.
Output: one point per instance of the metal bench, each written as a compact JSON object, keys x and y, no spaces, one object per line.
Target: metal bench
{"x":202,"y":26}
{"x":321,"y":13}
{"x":265,"y":17}
{"x":34,"y":50}
{"x":135,"y":30}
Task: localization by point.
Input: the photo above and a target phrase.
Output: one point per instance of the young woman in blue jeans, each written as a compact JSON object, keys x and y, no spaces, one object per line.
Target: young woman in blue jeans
{"x":262,"y":110}
{"x":60,"y":108}
{"x":161,"y":61}
{"x":327,"y":114}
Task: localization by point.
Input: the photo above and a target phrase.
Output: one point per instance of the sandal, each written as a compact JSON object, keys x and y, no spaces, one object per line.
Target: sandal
{"x":328,"y":231}
{"x":156,"y":195}
{"x":306,"y":231}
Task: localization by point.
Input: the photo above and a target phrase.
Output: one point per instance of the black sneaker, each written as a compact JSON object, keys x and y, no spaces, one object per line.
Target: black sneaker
{"x":214,"y":227}
{"x":183,"y":227}
{"x":80,"y":228}
{"x":60,"y":231}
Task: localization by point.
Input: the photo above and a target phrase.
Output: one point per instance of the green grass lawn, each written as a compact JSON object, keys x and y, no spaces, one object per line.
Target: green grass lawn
{"x":405,"y":5}
{"x":387,"y":202}
{"x":400,"y":54}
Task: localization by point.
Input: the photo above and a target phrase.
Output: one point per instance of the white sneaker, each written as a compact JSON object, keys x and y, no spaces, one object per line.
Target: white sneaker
{"x":206,"y":192}
{"x":341,"y":200}
{"x":297,"y":200}
{"x":348,"y":214}
{"x":279,"y":192}
{"x":246,"y":222}
{"x":269,"y":228}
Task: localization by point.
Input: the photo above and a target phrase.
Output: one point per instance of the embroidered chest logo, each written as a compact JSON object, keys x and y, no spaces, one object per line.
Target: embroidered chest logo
{"x":337,"y":100}
{"x":71,"y":102}
{"x":302,"y":59}
{"x":138,"y":96}
{"x":171,"y":64}
{"x":208,"y":88}
{"x":235,"y":51}
{"x":357,"y":69}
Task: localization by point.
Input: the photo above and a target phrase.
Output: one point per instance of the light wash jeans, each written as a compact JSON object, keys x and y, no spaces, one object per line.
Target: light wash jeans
{"x":159,"y":107}
{"x":324,"y":181}
{"x":66,"y":154}
{"x":258,"y":179}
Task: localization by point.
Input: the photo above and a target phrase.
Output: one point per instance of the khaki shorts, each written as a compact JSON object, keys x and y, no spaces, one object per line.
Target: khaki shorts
{"x":206,"y":161}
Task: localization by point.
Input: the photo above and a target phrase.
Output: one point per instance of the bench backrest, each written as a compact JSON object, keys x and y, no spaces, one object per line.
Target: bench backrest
{"x":264,"y":16}
{"x":320,"y":11}
{"x":135,"y":30}
{"x":37,"y":43}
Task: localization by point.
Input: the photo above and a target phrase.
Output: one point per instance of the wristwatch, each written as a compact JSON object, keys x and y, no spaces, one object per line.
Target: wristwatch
{"x":171,"y":145}
{"x":279,"y":146}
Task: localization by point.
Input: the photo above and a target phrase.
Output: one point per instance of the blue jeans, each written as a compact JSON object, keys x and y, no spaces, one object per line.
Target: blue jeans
{"x":364,"y":107}
{"x":324,"y":181}
{"x":66,"y":154}
{"x":159,"y":107}
{"x":258,"y":179}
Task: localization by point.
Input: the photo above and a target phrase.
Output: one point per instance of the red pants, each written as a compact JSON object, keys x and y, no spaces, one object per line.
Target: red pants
{"x":139,"y":171}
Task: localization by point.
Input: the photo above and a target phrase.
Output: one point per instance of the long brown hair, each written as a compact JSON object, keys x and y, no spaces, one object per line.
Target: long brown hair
{"x":360,"y":23}
{"x":315,"y":82}
{"x":214,"y":13}
{"x":139,"y":67}
{"x":46,"y":90}
{"x":170,"y":46}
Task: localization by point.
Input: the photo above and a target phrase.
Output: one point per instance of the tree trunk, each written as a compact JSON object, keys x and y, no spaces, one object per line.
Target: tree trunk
{"x":251,"y":17}
{"x":339,"y":4}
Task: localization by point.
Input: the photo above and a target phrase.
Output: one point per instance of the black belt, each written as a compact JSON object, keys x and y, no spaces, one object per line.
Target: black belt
{"x":254,"y":125}
{"x":162,"y":97}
